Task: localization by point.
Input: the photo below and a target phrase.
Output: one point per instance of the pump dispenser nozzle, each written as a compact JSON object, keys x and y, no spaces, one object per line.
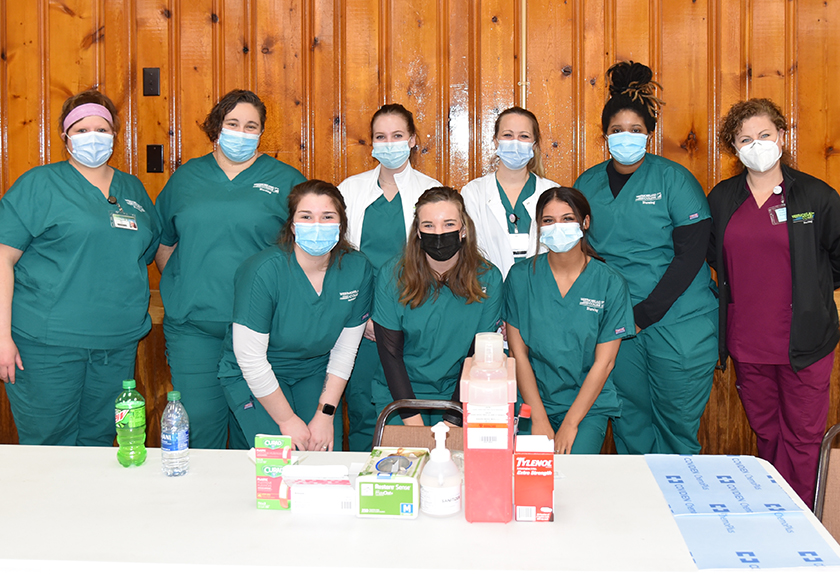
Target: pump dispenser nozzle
{"x":440,"y":453}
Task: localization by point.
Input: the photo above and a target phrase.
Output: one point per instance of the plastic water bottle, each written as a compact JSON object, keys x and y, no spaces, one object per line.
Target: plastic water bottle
{"x":130,"y":415}
{"x":175,"y":437}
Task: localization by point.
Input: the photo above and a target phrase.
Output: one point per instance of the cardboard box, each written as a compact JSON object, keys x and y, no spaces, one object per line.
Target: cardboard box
{"x":272,"y":454}
{"x":533,"y":479}
{"x":320,"y":489}
{"x":389,"y":483}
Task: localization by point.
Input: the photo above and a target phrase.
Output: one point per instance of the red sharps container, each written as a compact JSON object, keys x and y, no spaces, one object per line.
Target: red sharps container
{"x":488,"y":391}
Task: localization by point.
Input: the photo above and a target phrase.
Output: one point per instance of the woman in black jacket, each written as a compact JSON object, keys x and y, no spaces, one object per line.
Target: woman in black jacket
{"x":775,"y":245}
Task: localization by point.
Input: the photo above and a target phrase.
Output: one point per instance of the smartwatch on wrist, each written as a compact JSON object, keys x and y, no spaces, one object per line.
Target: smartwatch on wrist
{"x":328,"y":410}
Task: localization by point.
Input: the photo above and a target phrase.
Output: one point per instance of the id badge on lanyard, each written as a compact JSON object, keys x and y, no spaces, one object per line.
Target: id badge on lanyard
{"x":778,"y":213}
{"x":121,"y":219}
{"x":519,"y":244}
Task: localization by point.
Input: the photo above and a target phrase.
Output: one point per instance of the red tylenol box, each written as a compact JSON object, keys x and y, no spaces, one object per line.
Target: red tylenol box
{"x":533,"y":479}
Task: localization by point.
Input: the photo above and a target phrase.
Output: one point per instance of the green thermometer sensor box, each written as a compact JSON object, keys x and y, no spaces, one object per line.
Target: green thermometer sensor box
{"x":389,"y":484}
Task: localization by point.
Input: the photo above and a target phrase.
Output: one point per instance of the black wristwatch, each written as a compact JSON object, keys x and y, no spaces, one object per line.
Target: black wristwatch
{"x":328,"y":410}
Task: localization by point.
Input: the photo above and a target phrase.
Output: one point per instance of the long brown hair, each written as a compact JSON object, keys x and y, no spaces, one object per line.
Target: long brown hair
{"x":416,"y":279}
{"x":317,"y":187}
{"x":580,"y":207}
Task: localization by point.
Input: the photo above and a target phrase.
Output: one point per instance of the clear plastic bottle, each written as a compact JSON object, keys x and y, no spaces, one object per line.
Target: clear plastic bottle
{"x":175,"y":437}
{"x":440,"y":481}
{"x":130,"y":418}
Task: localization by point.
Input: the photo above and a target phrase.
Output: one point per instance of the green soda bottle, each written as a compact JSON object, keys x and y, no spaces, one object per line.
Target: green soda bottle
{"x":130,"y":415}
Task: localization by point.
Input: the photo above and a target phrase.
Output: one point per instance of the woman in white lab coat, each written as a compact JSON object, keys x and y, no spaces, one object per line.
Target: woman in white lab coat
{"x":503,"y":203}
{"x":380,"y":210}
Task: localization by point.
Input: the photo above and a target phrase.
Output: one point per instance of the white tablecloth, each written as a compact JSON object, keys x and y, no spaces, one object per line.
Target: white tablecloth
{"x":67,"y":509}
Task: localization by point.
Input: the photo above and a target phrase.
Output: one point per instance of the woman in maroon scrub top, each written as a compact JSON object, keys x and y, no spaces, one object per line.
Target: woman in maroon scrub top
{"x":775,"y":245}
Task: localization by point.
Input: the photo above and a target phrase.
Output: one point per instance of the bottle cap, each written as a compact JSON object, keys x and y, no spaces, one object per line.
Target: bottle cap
{"x":525,"y":411}
{"x":173,"y":396}
{"x":129,"y":384}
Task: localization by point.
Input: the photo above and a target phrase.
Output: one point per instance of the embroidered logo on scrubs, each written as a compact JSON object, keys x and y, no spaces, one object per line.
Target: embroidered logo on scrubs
{"x":693,"y":216}
{"x":649,"y":198}
{"x":591,"y":304}
{"x":267,"y":188}
{"x":135,"y":205}
{"x":620,"y":331}
{"x":348,"y":295}
{"x":365,"y":317}
{"x":806,"y":217}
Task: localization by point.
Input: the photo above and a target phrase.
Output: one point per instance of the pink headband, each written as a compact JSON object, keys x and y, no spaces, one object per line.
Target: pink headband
{"x":86,"y":110}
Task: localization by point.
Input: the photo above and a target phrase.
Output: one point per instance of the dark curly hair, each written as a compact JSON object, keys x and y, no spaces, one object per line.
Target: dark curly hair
{"x":631,"y":88}
{"x":212,"y":125}
{"x":740,"y":112}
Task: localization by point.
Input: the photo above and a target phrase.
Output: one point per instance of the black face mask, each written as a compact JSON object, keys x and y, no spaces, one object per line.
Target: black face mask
{"x":441,"y":247}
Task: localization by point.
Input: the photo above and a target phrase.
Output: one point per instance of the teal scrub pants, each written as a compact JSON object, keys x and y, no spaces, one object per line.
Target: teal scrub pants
{"x":591,"y":432}
{"x":664,"y":377}
{"x":303,"y":396}
{"x":65,"y":395}
{"x":193,"y":351}
{"x":360,"y":410}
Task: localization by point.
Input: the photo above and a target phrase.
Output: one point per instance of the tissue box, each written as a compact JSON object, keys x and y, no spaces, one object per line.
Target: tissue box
{"x":533,"y":479}
{"x":389,"y":483}
{"x":272,"y":454}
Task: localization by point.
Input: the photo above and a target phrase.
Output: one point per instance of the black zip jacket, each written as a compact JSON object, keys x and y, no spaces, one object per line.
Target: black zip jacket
{"x":813,"y":222}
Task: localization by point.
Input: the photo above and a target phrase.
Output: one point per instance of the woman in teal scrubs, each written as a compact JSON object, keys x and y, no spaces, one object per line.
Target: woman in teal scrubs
{"x":566,"y":312}
{"x":650,"y":221}
{"x":380,"y":208}
{"x":75,"y":239}
{"x":431,"y":302}
{"x":217,"y":210}
{"x":299,"y":313}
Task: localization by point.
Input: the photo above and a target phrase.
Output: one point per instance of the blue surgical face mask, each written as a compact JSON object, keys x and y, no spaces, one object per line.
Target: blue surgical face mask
{"x":515,"y":154}
{"x":391,"y":154}
{"x":92,"y":149}
{"x":561,"y":237}
{"x":238,"y":146}
{"x":627,"y":147}
{"x":316,"y":238}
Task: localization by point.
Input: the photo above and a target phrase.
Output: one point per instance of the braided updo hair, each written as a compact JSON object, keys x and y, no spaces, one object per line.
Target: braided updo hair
{"x":632,"y":88}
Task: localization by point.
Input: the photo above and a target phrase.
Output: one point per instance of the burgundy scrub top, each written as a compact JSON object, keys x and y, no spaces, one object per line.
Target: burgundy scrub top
{"x":757,"y":257}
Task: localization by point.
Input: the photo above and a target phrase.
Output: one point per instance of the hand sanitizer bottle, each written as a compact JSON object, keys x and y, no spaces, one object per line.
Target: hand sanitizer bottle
{"x":440,"y":481}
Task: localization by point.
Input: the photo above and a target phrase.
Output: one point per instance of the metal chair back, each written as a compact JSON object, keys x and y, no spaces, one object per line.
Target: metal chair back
{"x":827,"y":495}
{"x":413,"y":436}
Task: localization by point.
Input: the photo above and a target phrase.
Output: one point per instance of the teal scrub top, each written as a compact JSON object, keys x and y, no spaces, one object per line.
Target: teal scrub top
{"x":633,"y":232}
{"x":217,"y":224}
{"x":562,"y":332}
{"x":80,"y":282}
{"x":383,"y":231}
{"x":274,"y":296}
{"x":438,"y":333}
{"x":523,"y":218}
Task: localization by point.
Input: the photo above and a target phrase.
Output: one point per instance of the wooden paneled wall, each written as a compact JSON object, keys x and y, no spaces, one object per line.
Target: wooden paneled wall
{"x":324,"y":66}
